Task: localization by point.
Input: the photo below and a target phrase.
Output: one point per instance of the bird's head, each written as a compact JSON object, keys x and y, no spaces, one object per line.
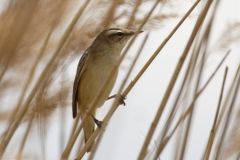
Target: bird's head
{"x":114,"y":38}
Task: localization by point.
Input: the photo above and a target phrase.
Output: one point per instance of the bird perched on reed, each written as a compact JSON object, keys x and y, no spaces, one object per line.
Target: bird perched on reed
{"x":93,"y":69}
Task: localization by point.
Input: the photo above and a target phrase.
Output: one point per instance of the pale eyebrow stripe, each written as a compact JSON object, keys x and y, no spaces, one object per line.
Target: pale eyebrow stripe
{"x":112,"y":32}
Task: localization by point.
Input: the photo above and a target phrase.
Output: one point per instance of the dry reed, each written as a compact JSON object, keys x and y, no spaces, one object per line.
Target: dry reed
{"x":39,"y":39}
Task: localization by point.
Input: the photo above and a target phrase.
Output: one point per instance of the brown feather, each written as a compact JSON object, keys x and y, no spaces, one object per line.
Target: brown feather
{"x":76,"y":82}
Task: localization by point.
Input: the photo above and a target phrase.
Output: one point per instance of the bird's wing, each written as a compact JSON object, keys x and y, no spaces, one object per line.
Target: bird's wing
{"x":76,"y":82}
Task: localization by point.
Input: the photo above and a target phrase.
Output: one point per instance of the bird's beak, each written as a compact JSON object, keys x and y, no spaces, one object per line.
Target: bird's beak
{"x":134,"y":32}
{"x":140,"y":32}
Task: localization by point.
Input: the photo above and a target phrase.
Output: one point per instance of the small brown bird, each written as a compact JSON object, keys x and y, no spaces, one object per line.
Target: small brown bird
{"x":93,"y":68}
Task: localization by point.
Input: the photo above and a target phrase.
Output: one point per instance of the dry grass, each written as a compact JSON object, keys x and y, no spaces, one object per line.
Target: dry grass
{"x":39,"y":39}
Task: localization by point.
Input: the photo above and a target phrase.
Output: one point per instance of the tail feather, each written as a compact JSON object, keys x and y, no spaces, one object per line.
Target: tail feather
{"x":88,"y":126}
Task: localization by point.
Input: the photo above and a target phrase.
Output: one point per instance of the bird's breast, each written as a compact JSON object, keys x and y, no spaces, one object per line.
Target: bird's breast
{"x":95,"y":73}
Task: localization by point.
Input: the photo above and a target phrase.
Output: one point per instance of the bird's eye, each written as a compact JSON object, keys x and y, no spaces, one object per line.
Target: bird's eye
{"x":119,"y":34}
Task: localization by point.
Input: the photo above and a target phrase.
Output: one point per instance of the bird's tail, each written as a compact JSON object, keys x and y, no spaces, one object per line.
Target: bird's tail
{"x":88,"y":126}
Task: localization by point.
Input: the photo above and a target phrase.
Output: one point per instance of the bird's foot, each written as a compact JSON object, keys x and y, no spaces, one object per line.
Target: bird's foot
{"x":97,"y":122}
{"x":121,"y":98}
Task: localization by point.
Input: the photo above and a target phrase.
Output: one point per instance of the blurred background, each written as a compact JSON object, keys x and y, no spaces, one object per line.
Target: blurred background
{"x":41,"y":43}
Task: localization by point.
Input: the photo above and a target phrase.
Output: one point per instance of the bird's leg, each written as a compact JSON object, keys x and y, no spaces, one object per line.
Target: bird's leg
{"x":121,"y":98}
{"x":97,"y":122}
